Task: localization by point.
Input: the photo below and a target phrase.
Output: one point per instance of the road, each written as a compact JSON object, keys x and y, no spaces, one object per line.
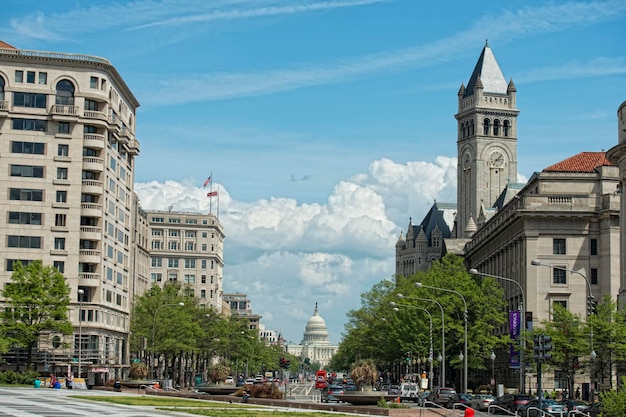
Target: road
{"x":46,"y":402}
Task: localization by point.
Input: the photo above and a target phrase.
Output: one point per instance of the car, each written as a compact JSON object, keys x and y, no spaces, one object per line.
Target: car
{"x":594,"y":410}
{"x":509,"y":402}
{"x":550,"y":408}
{"x":576,"y":405}
{"x":409,"y":389}
{"x":229,"y":380}
{"x":481,"y":401}
{"x":332,"y":393}
{"x":350,"y":386}
{"x":250,"y":381}
{"x":462,"y":399}
{"x":393,"y":390}
{"x":442,"y":396}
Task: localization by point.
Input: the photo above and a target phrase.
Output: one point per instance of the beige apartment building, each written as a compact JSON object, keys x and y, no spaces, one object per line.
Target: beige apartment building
{"x":68,"y":149}
{"x":187,"y":249}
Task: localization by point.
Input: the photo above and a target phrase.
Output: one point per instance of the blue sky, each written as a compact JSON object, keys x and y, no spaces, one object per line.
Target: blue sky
{"x":328,"y":123}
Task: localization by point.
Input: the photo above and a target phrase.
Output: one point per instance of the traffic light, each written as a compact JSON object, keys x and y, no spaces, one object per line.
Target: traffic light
{"x":591,"y":305}
{"x":542,"y":348}
{"x":281,"y":362}
{"x":287,"y":363}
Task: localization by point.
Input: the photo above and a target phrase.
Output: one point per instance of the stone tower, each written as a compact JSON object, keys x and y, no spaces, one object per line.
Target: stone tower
{"x":487,"y":140}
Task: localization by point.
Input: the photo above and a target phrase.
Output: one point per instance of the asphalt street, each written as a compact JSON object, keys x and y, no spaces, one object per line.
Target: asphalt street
{"x":46,"y":402}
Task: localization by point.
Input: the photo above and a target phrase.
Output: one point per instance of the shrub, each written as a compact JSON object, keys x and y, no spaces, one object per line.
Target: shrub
{"x":138,"y":371}
{"x":21,"y":378}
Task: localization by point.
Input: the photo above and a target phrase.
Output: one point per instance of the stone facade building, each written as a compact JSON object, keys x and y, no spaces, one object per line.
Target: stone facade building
{"x":315,"y":345}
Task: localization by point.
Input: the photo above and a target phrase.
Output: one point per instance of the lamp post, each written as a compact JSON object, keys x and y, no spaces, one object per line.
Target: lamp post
{"x":522,"y":364}
{"x":154,"y":331}
{"x":493,"y":372}
{"x":590,"y":298}
{"x":420,"y":285}
{"x":442,"y":360}
{"x":81,"y":292}
{"x":430,"y":351}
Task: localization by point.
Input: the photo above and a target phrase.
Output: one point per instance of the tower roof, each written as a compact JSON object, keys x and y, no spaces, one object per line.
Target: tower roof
{"x":487,"y":72}
{"x":316,"y":332}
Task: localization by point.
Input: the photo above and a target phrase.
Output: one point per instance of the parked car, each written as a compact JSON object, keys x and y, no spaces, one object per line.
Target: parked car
{"x":462,"y":399}
{"x":229,"y":380}
{"x":350,"y":386}
{"x":594,"y":410}
{"x":550,"y":407}
{"x":409,"y":389}
{"x":481,"y":401}
{"x":510,"y":402}
{"x":393,"y":390}
{"x":576,"y":405}
{"x":332,"y":393}
{"x":442,"y":396}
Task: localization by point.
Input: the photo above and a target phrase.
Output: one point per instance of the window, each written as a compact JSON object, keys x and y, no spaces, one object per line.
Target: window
{"x":157,"y":262}
{"x":34,"y":100}
{"x":30,"y":124}
{"x":43,"y":78}
{"x":19,"y":76}
{"x":558,"y":246}
{"x":29,"y":171}
{"x":61,"y":173}
{"x":486,"y":126}
{"x":505,"y":128}
{"x":157,"y":244}
{"x":30,"y":77}
{"x":60,"y":220}
{"x":173,"y":220}
{"x":34,"y":148}
{"x":190,"y":279}
{"x":63,"y":150}
{"x":90,"y":129}
{"x":203,"y":279}
{"x":173,"y":233}
{"x":190,"y":246}
{"x":558,"y":275}
{"x":61,"y":197}
{"x":93,"y":82}
{"x":190,"y":263}
{"x":59,"y":265}
{"x":10,"y":263}
{"x":65,"y":93}
{"x":156,"y":277}
{"x":25,"y":194}
{"x":190,"y":234}
{"x":157,"y":232}
{"x":18,"y":217}
{"x":29,"y":242}
{"x":594,"y":276}
{"x":593,"y":247}
{"x":202,"y":293}
{"x":560,"y":302}
{"x":191,"y":221}
{"x":91,"y":105}
{"x":113,"y":164}
{"x":64,"y":127}
{"x":204,"y":264}
{"x":204,"y":247}
{"x":59,"y":243}
{"x":172,"y":263}
{"x":157,"y":219}
{"x":204,"y":235}
{"x":172,"y":276}
{"x":173,"y":245}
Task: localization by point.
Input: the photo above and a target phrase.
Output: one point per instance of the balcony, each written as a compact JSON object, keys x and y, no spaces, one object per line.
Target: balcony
{"x":96,"y":117}
{"x":133,"y":147}
{"x":64,"y":112}
{"x":115,"y":124}
{"x":88,"y":275}
{"x":92,"y":187}
{"x":93,"y":140}
{"x":91,"y":163}
{"x":90,"y":233}
{"x":91,"y":209}
{"x":89,"y":256}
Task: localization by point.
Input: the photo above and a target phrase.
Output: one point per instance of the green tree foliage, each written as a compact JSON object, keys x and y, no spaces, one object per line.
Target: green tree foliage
{"x":37,"y":300}
{"x":614,"y":402}
{"x":609,"y":340}
{"x":376,"y":331}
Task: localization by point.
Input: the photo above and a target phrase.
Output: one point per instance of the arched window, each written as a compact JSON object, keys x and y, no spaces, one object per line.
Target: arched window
{"x":496,"y":127}
{"x":462,"y":132}
{"x":505,"y":128}
{"x":486,"y":126}
{"x":65,"y":93}
{"x":471,"y":128}
{"x":1,"y":90}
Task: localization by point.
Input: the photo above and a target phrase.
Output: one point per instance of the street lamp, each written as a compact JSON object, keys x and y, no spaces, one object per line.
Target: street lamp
{"x":81,"y":292}
{"x":420,"y":285}
{"x":493,"y":371}
{"x":430,"y":352}
{"x":590,"y":298}
{"x":154,"y":331}
{"x":522,"y":364}
{"x":442,"y":360}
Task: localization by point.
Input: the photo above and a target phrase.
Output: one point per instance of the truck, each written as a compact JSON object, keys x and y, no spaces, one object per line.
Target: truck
{"x":321,"y":378}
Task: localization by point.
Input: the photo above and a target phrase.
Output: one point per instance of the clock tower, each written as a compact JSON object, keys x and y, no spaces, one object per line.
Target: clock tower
{"x":487,"y":139}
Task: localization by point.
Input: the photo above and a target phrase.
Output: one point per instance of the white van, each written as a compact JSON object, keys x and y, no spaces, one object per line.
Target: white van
{"x":409,"y":389}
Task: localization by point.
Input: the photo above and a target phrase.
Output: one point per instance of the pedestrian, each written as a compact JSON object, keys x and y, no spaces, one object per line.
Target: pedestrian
{"x":565,"y":395}
{"x":53,"y":381}
{"x":546,"y":395}
{"x":69,"y":381}
{"x":577,"y":394}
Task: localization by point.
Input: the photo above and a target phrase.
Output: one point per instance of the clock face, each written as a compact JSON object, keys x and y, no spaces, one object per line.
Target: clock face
{"x":496,"y":159}
{"x":467,"y":160}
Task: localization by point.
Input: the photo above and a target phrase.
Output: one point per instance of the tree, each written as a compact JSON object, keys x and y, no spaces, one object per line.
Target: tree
{"x":609,"y":340}
{"x":364,"y":374}
{"x":37,"y":300}
{"x":614,"y":402}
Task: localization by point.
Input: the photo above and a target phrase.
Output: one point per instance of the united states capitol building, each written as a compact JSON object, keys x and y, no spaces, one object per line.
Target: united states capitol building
{"x":315,"y":345}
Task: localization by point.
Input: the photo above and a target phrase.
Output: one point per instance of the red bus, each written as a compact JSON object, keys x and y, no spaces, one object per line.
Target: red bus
{"x":320,"y":379}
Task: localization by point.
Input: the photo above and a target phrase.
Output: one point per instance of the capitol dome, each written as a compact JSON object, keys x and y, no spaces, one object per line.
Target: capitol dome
{"x":316,"y":332}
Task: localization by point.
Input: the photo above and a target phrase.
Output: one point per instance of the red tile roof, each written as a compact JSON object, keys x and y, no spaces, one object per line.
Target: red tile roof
{"x":4,"y":45}
{"x":582,"y":162}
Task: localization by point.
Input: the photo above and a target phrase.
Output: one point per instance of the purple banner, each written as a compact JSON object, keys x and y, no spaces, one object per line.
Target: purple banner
{"x":514,"y":333}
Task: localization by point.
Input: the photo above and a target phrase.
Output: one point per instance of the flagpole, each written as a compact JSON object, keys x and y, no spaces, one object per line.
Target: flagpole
{"x":211,"y":198}
{"x":218,"y":203}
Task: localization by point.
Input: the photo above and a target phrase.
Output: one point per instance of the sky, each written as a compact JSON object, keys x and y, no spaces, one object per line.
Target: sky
{"x":327,"y":124}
